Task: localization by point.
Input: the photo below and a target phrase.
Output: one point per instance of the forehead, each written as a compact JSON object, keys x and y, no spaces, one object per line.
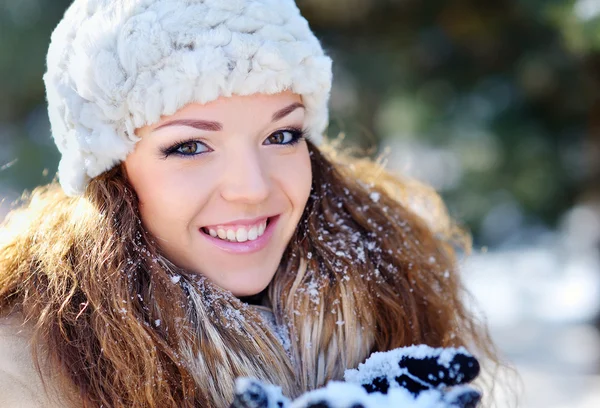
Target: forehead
{"x":258,"y":107}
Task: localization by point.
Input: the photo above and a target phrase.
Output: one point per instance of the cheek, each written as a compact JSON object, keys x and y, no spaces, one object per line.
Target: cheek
{"x":166,"y":198}
{"x":305,"y":179}
{"x":294,"y":175}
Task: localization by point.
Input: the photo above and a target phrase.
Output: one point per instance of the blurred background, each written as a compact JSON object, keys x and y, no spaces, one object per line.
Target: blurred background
{"x":494,"y":103}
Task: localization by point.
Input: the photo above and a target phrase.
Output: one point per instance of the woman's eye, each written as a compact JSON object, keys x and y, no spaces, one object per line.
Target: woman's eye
{"x":190,"y":148}
{"x":283,"y":137}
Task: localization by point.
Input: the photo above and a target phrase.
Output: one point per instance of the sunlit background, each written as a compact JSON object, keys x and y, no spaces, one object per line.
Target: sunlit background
{"x":494,"y":103}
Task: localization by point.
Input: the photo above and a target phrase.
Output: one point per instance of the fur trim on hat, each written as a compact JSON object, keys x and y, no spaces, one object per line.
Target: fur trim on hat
{"x":117,"y":65}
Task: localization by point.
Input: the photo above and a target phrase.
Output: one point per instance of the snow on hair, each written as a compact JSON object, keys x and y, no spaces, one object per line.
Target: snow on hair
{"x":359,"y":275}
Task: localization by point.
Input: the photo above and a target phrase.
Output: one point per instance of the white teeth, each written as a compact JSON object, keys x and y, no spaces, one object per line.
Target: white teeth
{"x":253,"y":234}
{"x":241,"y":235}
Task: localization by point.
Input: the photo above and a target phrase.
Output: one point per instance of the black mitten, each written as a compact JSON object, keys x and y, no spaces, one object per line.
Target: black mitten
{"x":254,"y":394}
{"x":416,"y":369}
{"x":410,"y":377}
{"x":436,"y":370}
{"x":462,"y":396}
{"x":251,"y":393}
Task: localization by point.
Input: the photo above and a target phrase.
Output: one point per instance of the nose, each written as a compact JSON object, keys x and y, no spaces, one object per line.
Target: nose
{"x":245,"y":179}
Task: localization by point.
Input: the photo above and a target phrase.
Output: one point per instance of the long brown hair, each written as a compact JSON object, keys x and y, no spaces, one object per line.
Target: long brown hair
{"x":127,"y":328}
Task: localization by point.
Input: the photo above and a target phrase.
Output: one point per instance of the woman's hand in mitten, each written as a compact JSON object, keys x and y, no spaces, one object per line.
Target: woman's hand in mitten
{"x":251,"y":393}
{"x":416,"y":369}
{"x":410,"y":377}
{"x":254,"y":394}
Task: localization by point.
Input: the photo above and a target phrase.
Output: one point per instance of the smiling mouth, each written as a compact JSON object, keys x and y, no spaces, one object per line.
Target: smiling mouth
{"x":238,"y":233}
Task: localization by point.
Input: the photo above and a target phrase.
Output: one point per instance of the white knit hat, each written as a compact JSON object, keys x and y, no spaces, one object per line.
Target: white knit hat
{"x":117,"y":65}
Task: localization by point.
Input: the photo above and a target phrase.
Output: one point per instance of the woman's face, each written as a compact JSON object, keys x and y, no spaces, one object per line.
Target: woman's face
{"x":222,"y":186}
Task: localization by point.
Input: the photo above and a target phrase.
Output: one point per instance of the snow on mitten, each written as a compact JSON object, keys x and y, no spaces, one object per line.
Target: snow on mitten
{"x":251,"y":393}
{"x":409,"y":377}
{"x":348,"y":395}
{"x":255,"y":394}
{"x":415,"y":368}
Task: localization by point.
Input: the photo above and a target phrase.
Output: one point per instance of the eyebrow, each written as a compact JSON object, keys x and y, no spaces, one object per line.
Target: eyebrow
{"x":282,"y":113}
{"x":197,"y":124}
{"x":212,"y":126}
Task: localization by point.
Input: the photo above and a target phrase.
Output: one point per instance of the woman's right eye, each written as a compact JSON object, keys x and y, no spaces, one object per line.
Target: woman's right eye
{"x":191,"y":148}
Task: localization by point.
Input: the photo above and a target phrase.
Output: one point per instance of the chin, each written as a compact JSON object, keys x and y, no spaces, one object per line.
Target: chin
{"x":245,"y":289}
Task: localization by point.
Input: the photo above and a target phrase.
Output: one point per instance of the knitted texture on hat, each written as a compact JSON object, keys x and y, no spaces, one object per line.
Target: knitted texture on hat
{"x":117,"y":65}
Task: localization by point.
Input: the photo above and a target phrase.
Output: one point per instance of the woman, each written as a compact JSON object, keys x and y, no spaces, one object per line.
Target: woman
{"x":201,"y":230}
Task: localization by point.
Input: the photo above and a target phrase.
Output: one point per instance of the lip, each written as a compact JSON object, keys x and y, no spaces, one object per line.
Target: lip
{"x":247,"y":247}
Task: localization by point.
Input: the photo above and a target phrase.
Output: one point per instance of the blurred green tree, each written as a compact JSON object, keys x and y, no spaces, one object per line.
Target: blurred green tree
{"x":508,"y":87}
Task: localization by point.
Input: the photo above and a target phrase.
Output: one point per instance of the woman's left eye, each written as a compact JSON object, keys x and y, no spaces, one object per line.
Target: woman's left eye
{"x":285,"y":137}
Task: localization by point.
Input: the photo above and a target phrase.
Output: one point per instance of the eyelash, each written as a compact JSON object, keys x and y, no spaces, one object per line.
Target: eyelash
{"x":297,"y":136}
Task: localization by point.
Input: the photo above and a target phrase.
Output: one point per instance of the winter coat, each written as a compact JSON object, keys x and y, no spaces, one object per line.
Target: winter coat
{"x":417,"y":376}
{"x":20,"y":383}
